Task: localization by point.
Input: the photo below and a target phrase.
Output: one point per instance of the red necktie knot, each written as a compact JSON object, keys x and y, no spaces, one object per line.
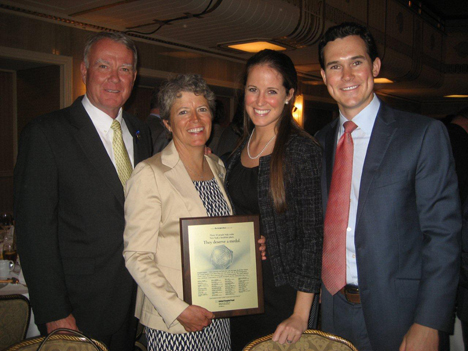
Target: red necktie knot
{"x":349,"y":126}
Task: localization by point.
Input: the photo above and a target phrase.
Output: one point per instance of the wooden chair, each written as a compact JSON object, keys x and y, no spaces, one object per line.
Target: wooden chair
{"x":15,"y":312}
{"x":311,"y":340}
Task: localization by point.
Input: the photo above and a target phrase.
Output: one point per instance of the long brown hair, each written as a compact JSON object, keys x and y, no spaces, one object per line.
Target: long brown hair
{"x":286,"y":124}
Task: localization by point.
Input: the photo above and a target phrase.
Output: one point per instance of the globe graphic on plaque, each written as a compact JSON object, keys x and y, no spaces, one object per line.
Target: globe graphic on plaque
{"x":221,"y":257}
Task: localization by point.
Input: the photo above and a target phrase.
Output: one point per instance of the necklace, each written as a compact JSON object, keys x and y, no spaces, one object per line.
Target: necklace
{"x":196,"y":173}
{"x":261,"y":152}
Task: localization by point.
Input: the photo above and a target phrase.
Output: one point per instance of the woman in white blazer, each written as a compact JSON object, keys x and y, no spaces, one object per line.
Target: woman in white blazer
{"x":181,"y":181}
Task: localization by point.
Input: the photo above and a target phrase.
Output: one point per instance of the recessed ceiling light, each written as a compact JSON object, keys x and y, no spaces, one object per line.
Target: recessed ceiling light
{"x":382,"y":81}
{"x":256,"y":46}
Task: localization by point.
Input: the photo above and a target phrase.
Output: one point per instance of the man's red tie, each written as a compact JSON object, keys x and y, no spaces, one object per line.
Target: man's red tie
{"x":336,"y":217}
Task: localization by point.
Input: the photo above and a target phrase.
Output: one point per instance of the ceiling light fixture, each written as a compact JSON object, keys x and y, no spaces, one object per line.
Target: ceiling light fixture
{"x":382,"y":81}
{"x":253,"y":46}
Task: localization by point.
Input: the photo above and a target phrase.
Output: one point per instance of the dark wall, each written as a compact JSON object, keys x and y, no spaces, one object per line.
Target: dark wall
{"x":6,"y":140}
{"x":38,"y":92}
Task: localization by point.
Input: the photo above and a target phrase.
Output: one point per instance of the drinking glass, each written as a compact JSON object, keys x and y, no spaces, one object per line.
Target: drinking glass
{"x":9,"y":251}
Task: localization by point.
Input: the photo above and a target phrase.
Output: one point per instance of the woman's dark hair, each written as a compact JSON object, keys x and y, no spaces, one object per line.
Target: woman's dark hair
{"x":286,"y":124}
{"x":344,"y":30}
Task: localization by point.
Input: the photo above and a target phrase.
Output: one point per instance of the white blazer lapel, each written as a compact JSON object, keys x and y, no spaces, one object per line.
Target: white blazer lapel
{"x":179,"y":178}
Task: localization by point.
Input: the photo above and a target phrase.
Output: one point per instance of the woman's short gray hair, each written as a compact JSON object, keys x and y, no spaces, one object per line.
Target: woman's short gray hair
{"x":189,"y":83}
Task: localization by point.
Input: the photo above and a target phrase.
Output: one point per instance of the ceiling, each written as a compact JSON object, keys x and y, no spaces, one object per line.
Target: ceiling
{"x":204,"y":26}
{"x":448,"y":9}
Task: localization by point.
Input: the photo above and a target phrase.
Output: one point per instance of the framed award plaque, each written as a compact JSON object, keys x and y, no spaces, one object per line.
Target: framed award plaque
{"x":222,"y":264}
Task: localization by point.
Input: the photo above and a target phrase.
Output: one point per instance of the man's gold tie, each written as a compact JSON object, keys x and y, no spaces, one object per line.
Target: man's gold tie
{"x":124,"y":166}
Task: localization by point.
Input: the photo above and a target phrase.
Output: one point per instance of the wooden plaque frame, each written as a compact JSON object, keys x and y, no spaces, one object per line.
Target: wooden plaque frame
{"x":229,"y":230}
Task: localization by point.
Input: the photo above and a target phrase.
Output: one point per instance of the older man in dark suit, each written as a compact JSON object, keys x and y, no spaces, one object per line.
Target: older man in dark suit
{"x":69,"y":195}
{"x":392,"y":239}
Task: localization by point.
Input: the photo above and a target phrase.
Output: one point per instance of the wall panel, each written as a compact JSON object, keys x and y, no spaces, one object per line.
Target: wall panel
{"x":7,"y":132}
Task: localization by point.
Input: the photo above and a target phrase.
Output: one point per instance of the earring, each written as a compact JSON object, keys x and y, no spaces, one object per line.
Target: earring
{"x":286,"y":102}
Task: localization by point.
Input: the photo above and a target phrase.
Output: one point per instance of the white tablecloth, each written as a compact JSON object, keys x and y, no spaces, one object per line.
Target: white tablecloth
{"x":11,"y":289}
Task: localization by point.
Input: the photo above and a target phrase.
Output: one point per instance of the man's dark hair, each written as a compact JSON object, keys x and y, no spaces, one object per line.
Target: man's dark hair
{"x":344,"y":30}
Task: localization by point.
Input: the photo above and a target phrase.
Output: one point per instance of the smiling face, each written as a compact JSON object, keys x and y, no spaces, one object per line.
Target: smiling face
{"x":190,"y":120}
{"x":349,"y":74}
{"x":265,"y":96}
{"x":110,"y":76}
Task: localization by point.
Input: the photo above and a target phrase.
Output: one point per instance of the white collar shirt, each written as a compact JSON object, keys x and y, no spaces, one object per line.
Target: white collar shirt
{"x":361,"y":136}
{"x":102,"y":122}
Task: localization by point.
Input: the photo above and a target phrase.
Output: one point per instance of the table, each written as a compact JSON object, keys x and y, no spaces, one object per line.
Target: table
{"x":11,"y":289}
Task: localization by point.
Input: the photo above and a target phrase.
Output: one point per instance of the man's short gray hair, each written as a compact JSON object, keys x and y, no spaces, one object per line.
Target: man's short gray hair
{"x":114,"y":36}
{"x":189,"y":83}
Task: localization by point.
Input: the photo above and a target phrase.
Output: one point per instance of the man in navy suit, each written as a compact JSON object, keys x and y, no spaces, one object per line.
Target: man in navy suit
{"x":403,"y":232}
{"x":69,"y":201}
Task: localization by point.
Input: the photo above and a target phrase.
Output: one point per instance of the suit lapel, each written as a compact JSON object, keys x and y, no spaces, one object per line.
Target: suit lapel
{"x":179,"y":178}
{"x":382,"y":134}
{"x":91,"y":144}
{"x":330,"y":148}
{"x":138,"y":148}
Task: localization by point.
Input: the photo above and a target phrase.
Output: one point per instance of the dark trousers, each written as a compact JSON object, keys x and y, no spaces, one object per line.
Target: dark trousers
{"x":444,"y":341}
{"x":123,"y":339}
{"x":347,"y":320}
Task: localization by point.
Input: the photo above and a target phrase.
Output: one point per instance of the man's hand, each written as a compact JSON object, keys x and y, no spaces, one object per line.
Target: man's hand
{"x":67,"y":322}
{"x":262,"y":248}
{"x":420,"y":338}
{"x":195,"y":318}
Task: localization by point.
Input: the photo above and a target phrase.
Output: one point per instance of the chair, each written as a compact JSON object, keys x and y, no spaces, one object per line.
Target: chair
{"x":311,"y":340}
{"x":139,"y":335}
{"x":62,"y":342}
{"x":14,"y":319}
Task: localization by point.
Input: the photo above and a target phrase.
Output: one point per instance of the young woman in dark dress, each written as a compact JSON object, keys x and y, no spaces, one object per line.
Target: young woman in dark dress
{"x":275,"y":172}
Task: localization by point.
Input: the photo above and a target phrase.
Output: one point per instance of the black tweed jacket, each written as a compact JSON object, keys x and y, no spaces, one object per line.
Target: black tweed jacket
{"x":294,"y":237}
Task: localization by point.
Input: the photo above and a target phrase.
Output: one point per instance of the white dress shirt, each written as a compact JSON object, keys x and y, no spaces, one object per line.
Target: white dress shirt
{"x":361,"y":135}
{"x":102,"y":122}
